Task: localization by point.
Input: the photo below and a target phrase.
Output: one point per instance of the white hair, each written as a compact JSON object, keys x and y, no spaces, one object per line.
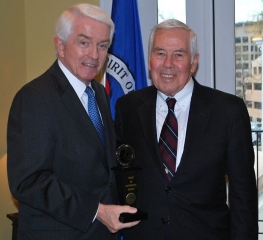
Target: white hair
{"x":174,"y":23}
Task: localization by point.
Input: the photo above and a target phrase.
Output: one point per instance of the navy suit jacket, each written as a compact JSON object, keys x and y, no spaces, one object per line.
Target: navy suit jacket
{"x":193,"y":204}
{"x":58,"y":169}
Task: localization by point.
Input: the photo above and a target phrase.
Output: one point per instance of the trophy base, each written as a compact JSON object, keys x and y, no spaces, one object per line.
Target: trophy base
{"x":131,"y":217}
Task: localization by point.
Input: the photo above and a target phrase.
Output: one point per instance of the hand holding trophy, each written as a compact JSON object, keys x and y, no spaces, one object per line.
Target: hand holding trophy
{"x":126,"y":178}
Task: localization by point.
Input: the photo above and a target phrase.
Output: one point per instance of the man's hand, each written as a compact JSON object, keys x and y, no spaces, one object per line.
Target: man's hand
{"x":109,"y":216}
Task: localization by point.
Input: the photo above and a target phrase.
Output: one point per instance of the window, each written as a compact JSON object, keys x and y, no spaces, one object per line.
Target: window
{"x":248,"y":85}
{"x":248,"y":26}
{"x":238,"y":57}
{"x":257,"y":86}
{"x":245,"y":57}
{"x":238,"y":40}
{"x":245,"y":65}
{"x":245,"y":39}
{"x":238,"y":65}
{"x":257,"y":105}
{"x":245,"y":48}
{"x":249,"y":104}
{"x":238,"y":75}
{"x":172,"y":9}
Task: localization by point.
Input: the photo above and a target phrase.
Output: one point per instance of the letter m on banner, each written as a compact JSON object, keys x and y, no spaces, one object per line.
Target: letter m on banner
{"x":125,"y":69}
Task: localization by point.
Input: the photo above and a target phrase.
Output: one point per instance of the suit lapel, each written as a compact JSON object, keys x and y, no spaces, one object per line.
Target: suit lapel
{"x":147,"y":115}
{"x":74,"y":106}
{"x":197,"y":121}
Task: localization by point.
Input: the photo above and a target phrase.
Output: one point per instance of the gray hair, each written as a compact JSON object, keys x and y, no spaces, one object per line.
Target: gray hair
{"x":65,"y":22}
{"x":173,"y":23}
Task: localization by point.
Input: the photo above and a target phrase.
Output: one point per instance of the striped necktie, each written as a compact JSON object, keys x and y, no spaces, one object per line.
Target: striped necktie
{"x":94,"y":114}
{"x":168,"y":140}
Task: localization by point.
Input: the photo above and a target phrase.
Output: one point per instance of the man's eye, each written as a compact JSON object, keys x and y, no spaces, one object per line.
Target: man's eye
{"x":103,"y":46}
{"x":179,"y":56}
{"x":160,"y":54}
{"x":84,"y":43}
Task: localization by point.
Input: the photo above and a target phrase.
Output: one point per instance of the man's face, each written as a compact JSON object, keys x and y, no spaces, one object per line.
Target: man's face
{"x":85,"y":51}
{"x":170,"y":60}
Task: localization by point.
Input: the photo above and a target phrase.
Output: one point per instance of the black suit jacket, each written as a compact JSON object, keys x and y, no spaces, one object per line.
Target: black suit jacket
{"x":193,"y":205}
{"x":57,"y":167}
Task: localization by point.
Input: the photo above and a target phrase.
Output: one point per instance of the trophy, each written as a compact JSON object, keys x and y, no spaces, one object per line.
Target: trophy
{"x":126,"y":178}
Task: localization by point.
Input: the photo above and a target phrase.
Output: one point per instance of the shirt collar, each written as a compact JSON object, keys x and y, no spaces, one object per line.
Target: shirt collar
{"x":183,"y":98}
{"x":78,"y":86}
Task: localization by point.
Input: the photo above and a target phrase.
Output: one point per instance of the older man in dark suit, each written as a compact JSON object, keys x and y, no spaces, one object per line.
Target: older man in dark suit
{"x":59,"y":162}
{"x":186,"y":150}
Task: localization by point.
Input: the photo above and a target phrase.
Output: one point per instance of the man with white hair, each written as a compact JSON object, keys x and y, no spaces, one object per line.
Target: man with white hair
{"x":59,"y":156}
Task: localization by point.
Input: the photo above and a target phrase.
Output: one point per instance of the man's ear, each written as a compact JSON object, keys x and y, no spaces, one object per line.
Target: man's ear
{"x":195,"y":63}
{"x":60,"y":46}
{"x":149,"y":65}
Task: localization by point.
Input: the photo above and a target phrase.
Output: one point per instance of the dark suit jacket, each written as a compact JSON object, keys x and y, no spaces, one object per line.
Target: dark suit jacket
{"x":57,"y":167}
{"x":218,"y":142}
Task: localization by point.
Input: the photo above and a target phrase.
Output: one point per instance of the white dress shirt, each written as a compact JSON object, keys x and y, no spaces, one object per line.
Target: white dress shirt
{"x":78,"y":86}
{"x":181,"y":110}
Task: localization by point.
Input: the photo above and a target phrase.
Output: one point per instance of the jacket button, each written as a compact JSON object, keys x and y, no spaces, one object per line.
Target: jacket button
{"x":168,"y":189}
{"x":165,"y":221}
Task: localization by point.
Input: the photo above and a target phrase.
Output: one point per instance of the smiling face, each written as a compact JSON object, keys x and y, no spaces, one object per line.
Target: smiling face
{"x":85,"y":51}
{"x":170,"y":60}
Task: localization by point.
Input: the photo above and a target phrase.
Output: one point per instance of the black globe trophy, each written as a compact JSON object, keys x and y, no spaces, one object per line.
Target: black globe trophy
{"x":127,"y":185}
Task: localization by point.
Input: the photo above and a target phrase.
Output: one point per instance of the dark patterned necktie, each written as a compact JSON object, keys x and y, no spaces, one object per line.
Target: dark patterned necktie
{"x":94,"y":114}
{"x":168,"y":140}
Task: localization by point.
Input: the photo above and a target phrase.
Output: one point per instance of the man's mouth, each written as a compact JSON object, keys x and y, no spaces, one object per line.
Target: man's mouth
{"x":90,"y":65}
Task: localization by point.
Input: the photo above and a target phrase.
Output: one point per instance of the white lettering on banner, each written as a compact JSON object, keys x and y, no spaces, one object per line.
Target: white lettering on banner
{"x":118,"y":69}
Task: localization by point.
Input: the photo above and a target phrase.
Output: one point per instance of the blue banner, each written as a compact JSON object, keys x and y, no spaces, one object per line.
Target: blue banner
{"x":125,"y":70}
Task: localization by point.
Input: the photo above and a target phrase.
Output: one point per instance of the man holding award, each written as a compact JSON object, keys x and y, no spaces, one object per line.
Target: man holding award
{"x":186,"y":139}
{"x":61,"y":141}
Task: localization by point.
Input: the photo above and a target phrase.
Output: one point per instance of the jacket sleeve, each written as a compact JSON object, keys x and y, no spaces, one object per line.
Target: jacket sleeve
{"x":242,"y":184}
